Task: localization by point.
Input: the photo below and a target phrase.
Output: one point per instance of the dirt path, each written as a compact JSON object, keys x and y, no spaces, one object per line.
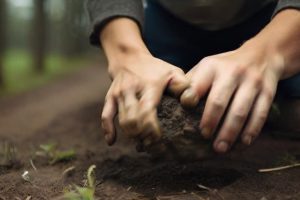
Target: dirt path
{"x":67,"y":112}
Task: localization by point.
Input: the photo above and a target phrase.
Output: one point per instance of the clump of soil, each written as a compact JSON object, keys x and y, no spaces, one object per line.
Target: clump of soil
{"x":181,"y":137}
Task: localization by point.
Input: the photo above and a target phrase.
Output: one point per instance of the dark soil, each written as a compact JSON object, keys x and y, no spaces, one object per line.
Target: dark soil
{"x":181,"y":139}
{"x":67,"y":112}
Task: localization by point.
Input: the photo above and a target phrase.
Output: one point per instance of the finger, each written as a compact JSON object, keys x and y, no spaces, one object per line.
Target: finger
{"x":156,"y":131}
{"x":130,"y":122}
{"x":258,"y":117}
{"x":200,"y":82}
{"x":178,"y":83}
{"x":150,"y":126}
{"x":148,"y":103}
{"x":121,"y":113}
{"x":151,"y":132}
{"x":107,"y":118}
{"x":236,"y":117}
{"x":216,"y":104}
{"x":151,"y":97}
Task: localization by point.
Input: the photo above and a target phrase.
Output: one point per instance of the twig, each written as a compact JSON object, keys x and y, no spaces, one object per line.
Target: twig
{"x":212,"y":191}
{"x":279,"y":168}
{"x":26,"y":176}
{"x":129,"y":188}
{"x":28,"y":198}
{"x":32,"y":165}
{"x":68,"y":171}
{"x":204,"y":187}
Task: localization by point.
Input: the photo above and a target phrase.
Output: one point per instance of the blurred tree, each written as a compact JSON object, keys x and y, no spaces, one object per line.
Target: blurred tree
{"x":74,"y":31}
{"x":3,"y":14}
{"x":39,"y":35}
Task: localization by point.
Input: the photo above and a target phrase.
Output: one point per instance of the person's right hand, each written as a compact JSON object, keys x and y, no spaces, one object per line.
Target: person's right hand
{"x":134,"y":94}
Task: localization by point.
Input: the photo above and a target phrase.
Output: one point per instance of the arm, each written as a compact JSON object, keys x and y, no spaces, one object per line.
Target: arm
{"x":244,"y":81}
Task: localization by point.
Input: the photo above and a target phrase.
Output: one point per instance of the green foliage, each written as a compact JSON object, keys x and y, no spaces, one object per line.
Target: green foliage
{"x":63,"y":156}
{"x":50,"y":151}
{"x":19,"y":74}
{"x":86,"y":192}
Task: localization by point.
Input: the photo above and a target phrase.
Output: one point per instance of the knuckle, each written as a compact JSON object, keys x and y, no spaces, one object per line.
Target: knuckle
{"x":130,"y":85}
{"x":178,"y":70}
{"x":229,"y":135}
{"x":218,"y":104}
{"x":122,"y":123}
{"x":253,"y":132}
{"x":104,"y":118}
{"x":239,"y":70}
{"x":240,"y":115}
{"x":131,"y":122}
{"x":116,"y":93}
{"x":256,"y":79}
{"x":207,"y":61}
{"x":269,"y":93}
{"x":263,"y":116}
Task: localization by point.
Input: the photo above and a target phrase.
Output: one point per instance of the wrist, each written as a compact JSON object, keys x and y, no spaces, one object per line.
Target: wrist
{"x":122,"y":43}
{"x":124,"y":58}
{"x":266,"y":53}
{"x":280,"y":39}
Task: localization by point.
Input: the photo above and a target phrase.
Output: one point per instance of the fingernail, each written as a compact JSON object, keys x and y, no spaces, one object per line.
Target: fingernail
{"x":189,"y":97}
{"x":222,"y":147}
{"x":206,"y":132}
{"x":247,"y":140}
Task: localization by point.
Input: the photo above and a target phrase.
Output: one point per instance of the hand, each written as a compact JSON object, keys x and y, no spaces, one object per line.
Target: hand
{"x":136,"y":90}
{"x":242,"y":83}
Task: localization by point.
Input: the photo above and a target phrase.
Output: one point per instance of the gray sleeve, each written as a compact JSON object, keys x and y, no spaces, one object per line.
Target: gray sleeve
{"x":102,"y":11}
{"x":284,"y":4}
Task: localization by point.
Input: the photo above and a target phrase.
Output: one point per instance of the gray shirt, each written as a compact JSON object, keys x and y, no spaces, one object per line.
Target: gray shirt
{"x":214,"y":14}
{"x":207,"y":14}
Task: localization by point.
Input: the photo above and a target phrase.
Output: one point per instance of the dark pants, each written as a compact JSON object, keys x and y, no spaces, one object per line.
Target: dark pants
{"x":184,"y":45}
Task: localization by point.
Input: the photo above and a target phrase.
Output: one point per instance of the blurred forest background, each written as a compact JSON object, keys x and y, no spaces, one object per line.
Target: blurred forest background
{"x":41,"y":40}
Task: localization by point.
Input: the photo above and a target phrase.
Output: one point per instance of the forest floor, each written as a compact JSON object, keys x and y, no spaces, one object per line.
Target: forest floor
{"x":67,"y":112}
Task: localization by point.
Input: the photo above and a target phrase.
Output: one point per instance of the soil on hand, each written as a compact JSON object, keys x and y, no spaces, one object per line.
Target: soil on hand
{"x":67,"y":113}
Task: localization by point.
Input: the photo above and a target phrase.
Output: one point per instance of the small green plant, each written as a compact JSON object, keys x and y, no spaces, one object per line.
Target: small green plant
{"x":8,"y":154}
{"x":83,"y":193}
{"x":53,"y":154}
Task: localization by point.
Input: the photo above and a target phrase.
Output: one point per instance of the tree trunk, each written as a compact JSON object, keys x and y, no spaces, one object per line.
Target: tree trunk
{"x":39,"y":35}
{"x":73,"y":29}
{"x":2,"y":38}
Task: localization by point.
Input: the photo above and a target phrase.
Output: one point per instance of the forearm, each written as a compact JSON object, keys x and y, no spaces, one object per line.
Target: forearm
{"x":103,"y":11}
{"x":281,"y":37}
{"x":121,"y":40}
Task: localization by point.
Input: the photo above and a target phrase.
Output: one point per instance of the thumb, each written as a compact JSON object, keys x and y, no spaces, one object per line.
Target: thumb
{"x":178,"y":83}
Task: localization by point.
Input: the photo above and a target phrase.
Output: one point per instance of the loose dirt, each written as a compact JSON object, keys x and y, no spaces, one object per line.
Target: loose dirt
{"x":67,"y":112}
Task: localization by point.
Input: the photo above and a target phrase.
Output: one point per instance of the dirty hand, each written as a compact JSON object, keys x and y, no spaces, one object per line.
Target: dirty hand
{"x":135,"y":92}
{"x":242,"y":83}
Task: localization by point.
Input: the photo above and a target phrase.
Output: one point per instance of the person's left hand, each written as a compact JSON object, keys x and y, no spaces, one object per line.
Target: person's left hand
{"x":243,"y":83}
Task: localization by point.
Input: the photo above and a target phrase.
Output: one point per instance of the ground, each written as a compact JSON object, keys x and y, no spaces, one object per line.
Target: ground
{"x":67,"y":112}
